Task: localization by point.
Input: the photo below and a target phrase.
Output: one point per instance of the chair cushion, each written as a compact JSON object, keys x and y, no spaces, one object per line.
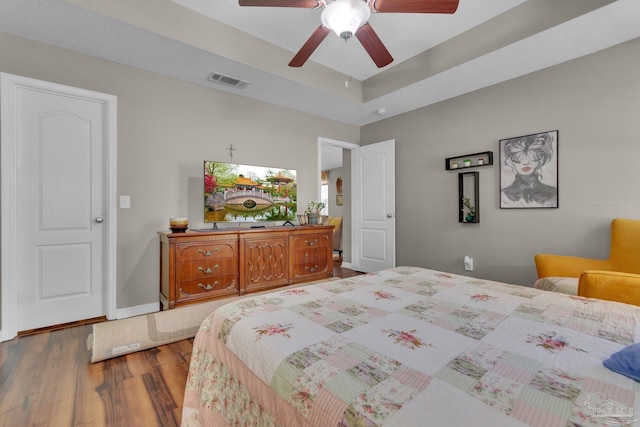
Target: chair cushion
{"x":565,"y":285}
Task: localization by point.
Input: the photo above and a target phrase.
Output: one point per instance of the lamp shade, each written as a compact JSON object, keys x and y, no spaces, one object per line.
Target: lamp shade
{"x":344,"y":17}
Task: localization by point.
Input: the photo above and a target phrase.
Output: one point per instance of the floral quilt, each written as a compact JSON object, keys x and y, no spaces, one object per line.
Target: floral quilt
{"x":410,"y":346}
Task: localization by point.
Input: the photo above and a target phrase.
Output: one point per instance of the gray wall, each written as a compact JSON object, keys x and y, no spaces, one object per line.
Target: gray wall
{"x":166,"y":128}
{"x":594,"y":103}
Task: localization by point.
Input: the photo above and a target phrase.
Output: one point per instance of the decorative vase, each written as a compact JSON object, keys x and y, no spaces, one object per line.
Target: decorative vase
{"x":313,"y":218}
{"x":178,"y":225}
{"x":469,"y":218}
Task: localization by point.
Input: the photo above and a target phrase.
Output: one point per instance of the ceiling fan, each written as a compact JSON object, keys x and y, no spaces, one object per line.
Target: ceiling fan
{"x":350,"y":17}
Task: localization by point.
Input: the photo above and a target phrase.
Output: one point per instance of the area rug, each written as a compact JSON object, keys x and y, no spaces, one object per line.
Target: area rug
{"x":119,"y":337}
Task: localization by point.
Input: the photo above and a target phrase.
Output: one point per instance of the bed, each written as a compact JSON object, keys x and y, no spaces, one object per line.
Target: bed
{"x":410,"y":346}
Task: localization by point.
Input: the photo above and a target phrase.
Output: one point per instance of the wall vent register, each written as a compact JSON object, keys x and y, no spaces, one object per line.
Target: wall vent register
{"x":227,"y":80}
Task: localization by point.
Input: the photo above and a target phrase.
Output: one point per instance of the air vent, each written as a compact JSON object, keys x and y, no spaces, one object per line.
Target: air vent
{"x":227,"y":80}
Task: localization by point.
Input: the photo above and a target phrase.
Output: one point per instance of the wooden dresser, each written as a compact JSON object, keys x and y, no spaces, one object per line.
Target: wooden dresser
{"x":203,"y":265}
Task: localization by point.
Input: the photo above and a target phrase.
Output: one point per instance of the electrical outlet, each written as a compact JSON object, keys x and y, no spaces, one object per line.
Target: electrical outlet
{"x":468,"y":263}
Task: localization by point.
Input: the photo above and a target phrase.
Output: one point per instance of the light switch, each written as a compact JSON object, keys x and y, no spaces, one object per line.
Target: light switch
{"x":125,"y":202}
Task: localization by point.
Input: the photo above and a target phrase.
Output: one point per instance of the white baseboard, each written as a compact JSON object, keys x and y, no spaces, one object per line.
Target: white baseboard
{"x":347,"y":265}
{"x":137,"y":310}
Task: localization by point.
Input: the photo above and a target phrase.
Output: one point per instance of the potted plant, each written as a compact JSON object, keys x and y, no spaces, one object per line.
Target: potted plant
{"x":468,"y":211}
{"x":313,"y":211}
{"x":467,"y":162}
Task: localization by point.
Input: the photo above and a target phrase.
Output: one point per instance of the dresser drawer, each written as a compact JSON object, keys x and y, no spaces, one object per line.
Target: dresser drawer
{"x":193,"y":270}
{"x":208,"y":288}
{"x":311,"y":257}
{"x":311,"y":260}
{"x":311,"y":241}
{"x":197,"y":252}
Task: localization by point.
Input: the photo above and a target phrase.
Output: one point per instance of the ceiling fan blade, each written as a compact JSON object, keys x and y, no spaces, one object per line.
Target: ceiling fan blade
{"x":414,"y":6}
{"x":373,"y":45}
{"x":309,"y":46}
{"x":281,"y":3}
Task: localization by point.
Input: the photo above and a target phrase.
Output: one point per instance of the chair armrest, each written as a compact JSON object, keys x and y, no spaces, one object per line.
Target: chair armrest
{"x":611,"y":286}
{"x":549,"y":265}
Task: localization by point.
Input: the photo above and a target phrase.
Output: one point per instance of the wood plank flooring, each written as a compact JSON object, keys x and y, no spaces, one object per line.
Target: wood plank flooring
{"x":47,"y":379}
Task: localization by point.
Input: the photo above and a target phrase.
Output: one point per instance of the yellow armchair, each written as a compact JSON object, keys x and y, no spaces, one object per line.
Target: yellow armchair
{"x":616,"y":278}
{"x":336,"y":221}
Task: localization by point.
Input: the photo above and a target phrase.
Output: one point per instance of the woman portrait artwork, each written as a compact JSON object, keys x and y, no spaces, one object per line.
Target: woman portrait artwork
{"x":529,"y":171}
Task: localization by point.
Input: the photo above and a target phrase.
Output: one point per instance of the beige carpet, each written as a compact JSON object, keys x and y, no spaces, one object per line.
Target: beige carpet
{"x":124,"y":336}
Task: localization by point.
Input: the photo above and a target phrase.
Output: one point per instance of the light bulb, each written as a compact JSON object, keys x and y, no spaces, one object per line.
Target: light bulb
{"x":344,"y":17}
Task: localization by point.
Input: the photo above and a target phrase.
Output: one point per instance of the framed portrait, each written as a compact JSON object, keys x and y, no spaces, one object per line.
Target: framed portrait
{"x":339,"y":200}
{"x":529,"y":171}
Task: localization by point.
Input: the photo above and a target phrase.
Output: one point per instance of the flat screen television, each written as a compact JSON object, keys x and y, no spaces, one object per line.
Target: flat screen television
{"x":247,"y":193}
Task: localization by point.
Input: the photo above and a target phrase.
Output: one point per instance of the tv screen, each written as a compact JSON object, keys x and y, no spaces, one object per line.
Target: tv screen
{"x":246,"y":193}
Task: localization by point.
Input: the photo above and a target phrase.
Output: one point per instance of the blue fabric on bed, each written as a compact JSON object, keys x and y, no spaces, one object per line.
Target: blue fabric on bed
{"x":626,"y":362}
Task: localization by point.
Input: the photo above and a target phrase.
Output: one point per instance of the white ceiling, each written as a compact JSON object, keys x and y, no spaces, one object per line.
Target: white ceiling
{"x":436,"y":56}
{"x":289,"y":28}
{"x":331,"y":157}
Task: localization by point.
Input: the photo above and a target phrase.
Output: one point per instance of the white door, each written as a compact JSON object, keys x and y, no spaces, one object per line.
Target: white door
{"x":61,"y":138}
{"x":373,"y":207}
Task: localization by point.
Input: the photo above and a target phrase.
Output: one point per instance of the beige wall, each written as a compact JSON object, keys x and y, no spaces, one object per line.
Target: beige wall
{"x":594,"y":103}
{"x":166,"y":128}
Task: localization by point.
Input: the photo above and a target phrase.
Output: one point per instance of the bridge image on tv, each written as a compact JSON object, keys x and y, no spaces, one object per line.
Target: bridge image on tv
{"x":247,"y":193}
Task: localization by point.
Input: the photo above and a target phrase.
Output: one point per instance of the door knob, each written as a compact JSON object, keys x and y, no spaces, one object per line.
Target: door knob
{"x":99,"y":219}
{"x":389,"y":216}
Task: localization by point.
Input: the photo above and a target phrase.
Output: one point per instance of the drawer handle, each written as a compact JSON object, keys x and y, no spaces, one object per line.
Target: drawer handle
{"x":184,"y":294}
{"x":209,"y":286}
{"x":207,"y":252}
{"x":208,"y":270}
{"x":311,"y":269}
{"x":312,"y":242}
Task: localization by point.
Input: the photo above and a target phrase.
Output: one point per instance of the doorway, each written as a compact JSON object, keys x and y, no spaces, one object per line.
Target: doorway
{"x":335,"y":155}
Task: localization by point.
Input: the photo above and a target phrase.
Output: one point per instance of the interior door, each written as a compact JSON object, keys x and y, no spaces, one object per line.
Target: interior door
{"x":61,"y":207}
{"x":373,"y":233}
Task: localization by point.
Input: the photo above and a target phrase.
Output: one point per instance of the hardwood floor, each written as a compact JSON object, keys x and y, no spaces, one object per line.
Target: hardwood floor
{"x":47,"y":379}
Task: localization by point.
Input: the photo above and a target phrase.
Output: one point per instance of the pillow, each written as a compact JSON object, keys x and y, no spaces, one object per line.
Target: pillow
{"x":565,"y":285}
{"x":626,"y":362}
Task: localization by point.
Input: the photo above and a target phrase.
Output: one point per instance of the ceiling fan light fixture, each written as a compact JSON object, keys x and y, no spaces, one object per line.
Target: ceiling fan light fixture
{"x":344,"y":17}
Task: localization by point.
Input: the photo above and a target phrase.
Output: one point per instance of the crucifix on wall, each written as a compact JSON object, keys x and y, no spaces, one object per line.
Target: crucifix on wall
{"x":231,"y":150}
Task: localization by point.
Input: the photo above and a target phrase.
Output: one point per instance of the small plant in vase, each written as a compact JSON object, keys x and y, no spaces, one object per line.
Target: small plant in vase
{"x":468,"y":210}
{"x":313,"y":211}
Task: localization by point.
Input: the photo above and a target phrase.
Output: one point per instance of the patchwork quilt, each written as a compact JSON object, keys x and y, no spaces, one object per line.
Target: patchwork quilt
{"x":410,"y":346}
